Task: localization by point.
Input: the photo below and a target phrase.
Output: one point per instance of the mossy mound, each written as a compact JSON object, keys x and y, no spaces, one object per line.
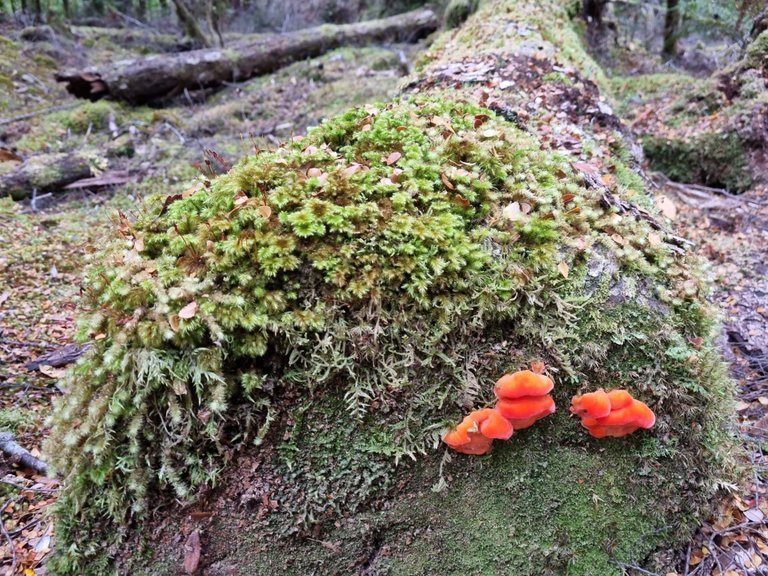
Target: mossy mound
{"x":714,"y":159}
{"x":457,"y":12}
{"x":377,"y":276}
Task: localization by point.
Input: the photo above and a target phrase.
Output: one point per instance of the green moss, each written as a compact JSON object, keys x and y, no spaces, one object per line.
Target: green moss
{"x":372,"y":270}
{"x":17,"y":419}
{"x":757,"y":51}
{"x":557,"y":77}
{"x":718,"y":160}
{"x":457,"y":11}
{"x":90,"y":115}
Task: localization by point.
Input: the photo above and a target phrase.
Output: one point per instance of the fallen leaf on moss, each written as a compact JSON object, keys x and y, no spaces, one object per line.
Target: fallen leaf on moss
{"x":189,"y":310}
{"x":392,"y":158}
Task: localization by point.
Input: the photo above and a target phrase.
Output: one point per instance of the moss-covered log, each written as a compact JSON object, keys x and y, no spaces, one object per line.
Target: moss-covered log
{"x":54,"y":172}
{"x":318,"y":317}
{"x":46,"y":172}
{"x":145,"y":79}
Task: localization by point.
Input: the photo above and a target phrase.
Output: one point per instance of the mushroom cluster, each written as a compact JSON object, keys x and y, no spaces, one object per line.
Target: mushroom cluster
{"x":614,"y":413}
{"x":523,"y":398}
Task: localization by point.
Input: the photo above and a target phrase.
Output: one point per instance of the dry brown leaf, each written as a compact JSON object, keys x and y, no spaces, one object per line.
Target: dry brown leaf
{"x":654,"y":239}
{"x":512,"y":212}
{"x":666,"y":207}
{"x":350,"y":170}
{"x":188,"y":311}
{"x":392,"y":158}
{"x":9,"y":156}
{"x":241,"y":198}
{"x":564,"y":269}
{"x":265,"y":211}
{"x":192,"y":552}
{"x":447,"y":182}
{"x":52,"y":372}
{"x":481,"y":119}
{"x":174,"y":321}
{"x":584,"y":167}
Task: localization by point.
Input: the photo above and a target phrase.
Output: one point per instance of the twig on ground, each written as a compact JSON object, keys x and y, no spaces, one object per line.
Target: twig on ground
{"x":8,"y":537}
{"x":26,"y":344}
{"x":4,"y":121}
{"x":26,"y":488}
{"x":625,"y":566}
{"x":18,"y":453}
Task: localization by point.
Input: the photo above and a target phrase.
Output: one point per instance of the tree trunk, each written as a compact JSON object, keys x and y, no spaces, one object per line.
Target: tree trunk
{"x":594,"y":10}
{"x":671,"y":28}
{"x":191,"y":27}
{"x":146,"y":79}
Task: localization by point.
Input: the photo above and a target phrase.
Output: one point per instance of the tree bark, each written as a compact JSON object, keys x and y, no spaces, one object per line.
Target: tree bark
{"x":20,"y":455}
{"x":145,"y":79}
{"x":593,"y":11}
{"x":671,"y":26}
{"x":191,"y":27}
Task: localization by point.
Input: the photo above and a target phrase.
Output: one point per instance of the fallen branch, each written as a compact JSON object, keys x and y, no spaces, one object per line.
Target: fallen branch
{"x":7,"y":536}
{"x":38,"y":113}
{"x":150,"y":78}
{"x":20,"y":455}
{"x":59,"y":357}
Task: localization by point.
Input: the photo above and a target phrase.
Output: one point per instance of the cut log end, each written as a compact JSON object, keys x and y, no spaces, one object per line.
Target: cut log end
{"x":84,"y":85}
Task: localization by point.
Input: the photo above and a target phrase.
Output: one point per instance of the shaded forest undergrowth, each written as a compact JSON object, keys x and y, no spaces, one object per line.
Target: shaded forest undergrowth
{"x":140,"y":151}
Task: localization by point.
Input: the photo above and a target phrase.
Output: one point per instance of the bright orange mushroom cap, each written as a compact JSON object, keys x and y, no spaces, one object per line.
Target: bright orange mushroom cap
{"x":477,"y":431}
{"x":622,"y":421}
{"x":620,"y":399}
{"x":525,"y":408}
{"x":637,"y":414}
{"x":521,"y":384}
{"x":496,"y":426}
{"x":595,"y":404}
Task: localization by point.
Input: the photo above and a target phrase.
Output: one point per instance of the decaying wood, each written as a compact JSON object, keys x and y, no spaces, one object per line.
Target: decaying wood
{"x":144,"y":79}
{"x":59,"y":357}
{"x":46,"y":172}
{"x":20,"y":455}
{"x":56,"y":172}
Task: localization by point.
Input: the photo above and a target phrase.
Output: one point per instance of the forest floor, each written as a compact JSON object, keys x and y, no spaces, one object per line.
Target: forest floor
{"x":45,"y":241}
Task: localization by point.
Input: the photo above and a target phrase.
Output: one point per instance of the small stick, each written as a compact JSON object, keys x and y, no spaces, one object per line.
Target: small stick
{"x":18,"y":453}
{"x":8,"y":537}
{"x":38,"y":113}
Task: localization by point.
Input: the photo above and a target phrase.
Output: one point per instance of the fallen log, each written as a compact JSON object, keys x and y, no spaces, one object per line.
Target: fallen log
{"x":142,"y":80}
{"x":64,"y":170}
{"x":46,"y":172}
